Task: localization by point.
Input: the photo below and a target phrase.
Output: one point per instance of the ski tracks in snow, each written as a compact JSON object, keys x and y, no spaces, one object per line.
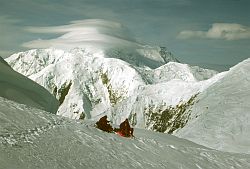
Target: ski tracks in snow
{"x":28,"y":135}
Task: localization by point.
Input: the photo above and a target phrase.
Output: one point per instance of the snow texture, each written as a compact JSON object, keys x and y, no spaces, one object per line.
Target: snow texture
{"x":32,"y":138}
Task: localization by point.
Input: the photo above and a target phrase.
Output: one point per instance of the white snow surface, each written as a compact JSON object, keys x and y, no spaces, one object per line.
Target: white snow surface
{"x":32,"y":138}
{"x":19,"y":88}
{"x":220,"y":119}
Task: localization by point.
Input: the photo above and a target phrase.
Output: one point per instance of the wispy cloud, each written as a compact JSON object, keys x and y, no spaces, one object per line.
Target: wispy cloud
{"x":82,"y":33}
{"x":227,"y":31}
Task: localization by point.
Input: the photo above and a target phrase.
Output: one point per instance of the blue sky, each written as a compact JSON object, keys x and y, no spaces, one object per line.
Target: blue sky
{"x":214,"y":33}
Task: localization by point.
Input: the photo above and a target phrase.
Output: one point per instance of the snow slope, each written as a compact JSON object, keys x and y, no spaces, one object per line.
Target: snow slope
{"x":220,"y":118}
{"x":19,"y":88}
{"x":156,"y":98}
{"x":31,"y":138}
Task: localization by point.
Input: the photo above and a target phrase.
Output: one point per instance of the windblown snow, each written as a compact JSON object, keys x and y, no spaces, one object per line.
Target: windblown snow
{"x":32,"y":138}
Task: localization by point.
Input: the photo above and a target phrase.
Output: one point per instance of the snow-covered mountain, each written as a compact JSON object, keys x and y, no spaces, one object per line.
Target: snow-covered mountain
{"x":32,"y":138}
{"x":90,"y":84}
{"x":19,"y":88}
{"x":220,"y":118}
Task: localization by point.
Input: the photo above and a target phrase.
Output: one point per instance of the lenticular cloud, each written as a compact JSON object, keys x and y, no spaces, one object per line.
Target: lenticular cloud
{"x":82,"y":33}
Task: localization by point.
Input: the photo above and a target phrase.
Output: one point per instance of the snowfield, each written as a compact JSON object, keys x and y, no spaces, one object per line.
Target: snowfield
{"x":32,"y":138}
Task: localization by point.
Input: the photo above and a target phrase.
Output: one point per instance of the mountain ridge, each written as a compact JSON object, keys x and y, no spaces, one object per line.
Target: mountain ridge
{"x":46,"y":66}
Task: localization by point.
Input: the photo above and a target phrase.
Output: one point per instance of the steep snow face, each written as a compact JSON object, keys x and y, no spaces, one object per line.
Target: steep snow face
{"x":33,"y":61}
{"x":149,"y":56}
{"x":90,"y":84}
{"x":174,"y":70}
{"x":19,"y":88}
{"x":149,"y":104}
{"x":84,"y":84}
{"x":31,"y":138}
{"x":220,"y":118}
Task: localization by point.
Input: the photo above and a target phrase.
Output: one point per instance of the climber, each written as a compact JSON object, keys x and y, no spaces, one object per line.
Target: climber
{"x":125,"y":129}
{"x":103,"y":124}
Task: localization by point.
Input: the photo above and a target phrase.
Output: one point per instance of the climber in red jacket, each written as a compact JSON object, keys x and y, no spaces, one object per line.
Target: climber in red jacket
{"x":125,"y":129}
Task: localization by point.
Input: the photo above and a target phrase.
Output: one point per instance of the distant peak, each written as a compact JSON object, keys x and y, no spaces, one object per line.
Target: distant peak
{"x":167,"y":55}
